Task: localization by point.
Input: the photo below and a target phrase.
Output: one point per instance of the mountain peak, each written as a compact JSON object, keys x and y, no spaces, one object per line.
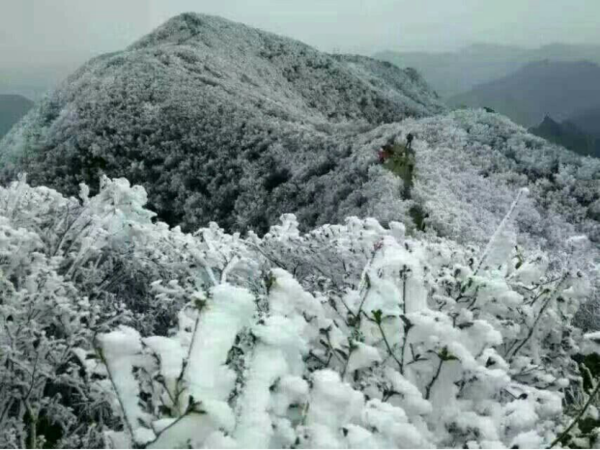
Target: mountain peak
{"x":195,"y":29}
{"x":182,"y":29}
{"x":549,"y":121}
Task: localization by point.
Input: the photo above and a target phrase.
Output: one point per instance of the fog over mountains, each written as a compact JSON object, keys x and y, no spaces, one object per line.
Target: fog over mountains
{"x":588,"y":120}
{"x":557,"y":89}
{"x":454,"y":73}
{"x":537,"y":88}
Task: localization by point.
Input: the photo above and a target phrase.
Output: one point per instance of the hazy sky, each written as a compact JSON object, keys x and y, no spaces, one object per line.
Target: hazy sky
{"x":55,"y":32}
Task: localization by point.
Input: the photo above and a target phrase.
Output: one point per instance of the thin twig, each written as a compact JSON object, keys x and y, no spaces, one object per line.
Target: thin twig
{"x":403,"y":351}
{"x":389,"y":349}
{"x":433,"y":380}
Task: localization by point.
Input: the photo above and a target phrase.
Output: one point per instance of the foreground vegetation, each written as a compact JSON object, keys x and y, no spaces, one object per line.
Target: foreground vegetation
{"x":116,"y":330}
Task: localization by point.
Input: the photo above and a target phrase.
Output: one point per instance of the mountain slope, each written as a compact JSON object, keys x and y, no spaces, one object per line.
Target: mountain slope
{"x":12,"y":109}
{"x":219,"y":121}
{"x":555,"y":89}
{"x":453,"y":73}
{"x":568,"y":135}
{"x":470,"y":164}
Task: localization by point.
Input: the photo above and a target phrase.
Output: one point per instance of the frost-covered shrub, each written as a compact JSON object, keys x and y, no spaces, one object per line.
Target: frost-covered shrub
{"x":430,"y":347}
{"x":44,"y":322}
{"x":352,"y":335}
{"x":70,"y":268}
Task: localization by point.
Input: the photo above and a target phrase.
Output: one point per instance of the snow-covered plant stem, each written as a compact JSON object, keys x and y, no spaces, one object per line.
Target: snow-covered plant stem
{"x":551,"y":296}
{"x":578,"y":417}
{"x":126,"y":419}
{"x":434,"y":379}
{"x":377,"y":317}
{"x":33,"y":418}
{"x":444,"y":355}
{"x":200,"y":304}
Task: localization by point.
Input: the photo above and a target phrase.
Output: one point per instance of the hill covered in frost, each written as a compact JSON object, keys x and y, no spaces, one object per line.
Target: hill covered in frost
{"x":218,"y":120}
{"x":221,"y":122}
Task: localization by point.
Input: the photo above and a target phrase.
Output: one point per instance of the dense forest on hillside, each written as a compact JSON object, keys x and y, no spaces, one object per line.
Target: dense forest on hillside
{"x":220,"y":122}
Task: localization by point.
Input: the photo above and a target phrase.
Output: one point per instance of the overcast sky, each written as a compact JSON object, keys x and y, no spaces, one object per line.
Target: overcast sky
{"x":55,"y":32}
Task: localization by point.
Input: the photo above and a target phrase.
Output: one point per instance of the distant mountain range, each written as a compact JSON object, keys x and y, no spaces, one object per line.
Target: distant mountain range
{"x":588,"y":120}
{"x":12,"y":109}
{"x":454,"y":73}
{"x":568,"y":135}
{"x":560,"y":90}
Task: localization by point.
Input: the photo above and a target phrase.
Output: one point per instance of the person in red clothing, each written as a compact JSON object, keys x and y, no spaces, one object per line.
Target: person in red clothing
{"x":384,"y":154}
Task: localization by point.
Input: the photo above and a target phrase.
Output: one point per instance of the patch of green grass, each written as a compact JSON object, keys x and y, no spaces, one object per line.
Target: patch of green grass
{"x":402,"y":164}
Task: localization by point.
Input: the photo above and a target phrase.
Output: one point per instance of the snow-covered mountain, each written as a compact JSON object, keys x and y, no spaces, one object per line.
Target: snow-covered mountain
{"x":220,"y":121}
